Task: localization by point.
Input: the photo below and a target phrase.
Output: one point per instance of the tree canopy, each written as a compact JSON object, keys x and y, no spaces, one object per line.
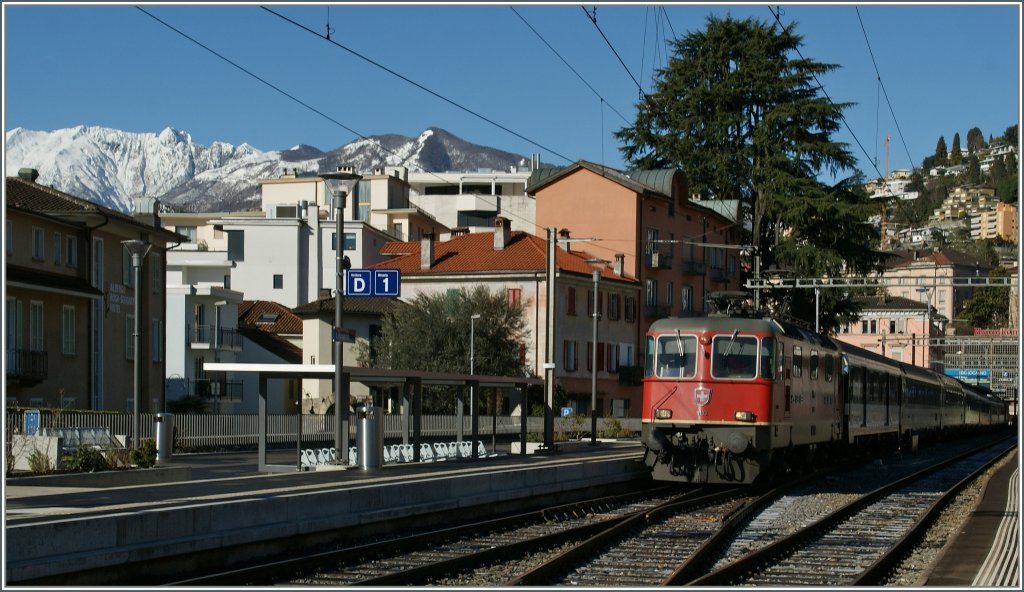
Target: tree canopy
{"x":741,"y":113}
{"x":975,"y":140}
{"x":432,"y":334}
{"x":989,"y":307}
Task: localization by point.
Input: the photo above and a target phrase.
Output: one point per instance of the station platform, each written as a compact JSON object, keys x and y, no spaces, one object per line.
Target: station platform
{"x":986,"y":551}
{"x":137,"y":534}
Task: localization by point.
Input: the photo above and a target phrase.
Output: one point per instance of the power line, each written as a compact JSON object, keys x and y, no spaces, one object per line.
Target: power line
{"x":567,"y":65}
{"x":593,"y":19}
{"x":885,"y":94}
{"x":417,"y":85}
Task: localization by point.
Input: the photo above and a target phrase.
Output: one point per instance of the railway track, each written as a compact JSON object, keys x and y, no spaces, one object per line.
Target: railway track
{"x":858,"y":543}
{"x":422,"y":556}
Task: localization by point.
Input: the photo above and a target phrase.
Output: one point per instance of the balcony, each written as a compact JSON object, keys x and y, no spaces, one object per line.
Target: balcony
{"x":27,"y":367}
{"x":206,"y":388}
{"x":693,"y":267}
{"x":719,"y":274}
{"x":200,"y":337}
{"x":658,"y":261}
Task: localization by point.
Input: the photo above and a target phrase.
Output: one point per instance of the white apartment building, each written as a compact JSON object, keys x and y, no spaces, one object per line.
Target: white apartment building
{"x":472,"y":200}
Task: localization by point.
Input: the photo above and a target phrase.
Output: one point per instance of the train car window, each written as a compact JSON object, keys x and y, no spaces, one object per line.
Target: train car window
{"x":768,"y":358}
{"x":814,"y":365}
{"x":782,"y":360}
{"x":734,"y":356}
{"x":829,"y":367}
{"x":649,"y":357}
{"x":798,"y":361}
{"x":677,"y":356}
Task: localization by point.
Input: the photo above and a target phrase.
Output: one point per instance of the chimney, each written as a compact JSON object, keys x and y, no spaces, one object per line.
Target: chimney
{"x":325,"y":293}
{"x":426,"y":251}
{"x":29,"y":175}
{"x":502,"y":233}
{"x":564,"y":243}
{"x":620,"y":264}
{"x":347,"y":168}
{"x":461,"y":230}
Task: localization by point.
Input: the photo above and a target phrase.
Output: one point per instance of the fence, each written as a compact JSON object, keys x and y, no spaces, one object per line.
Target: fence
{"x":203,"y":432}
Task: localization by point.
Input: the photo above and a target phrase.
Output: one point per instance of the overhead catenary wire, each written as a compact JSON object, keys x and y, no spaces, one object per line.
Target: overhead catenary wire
{"x":418,"y":85}
{"x":596,"y":242}
{"x":567,"y":64}
{"x":880,"y":83}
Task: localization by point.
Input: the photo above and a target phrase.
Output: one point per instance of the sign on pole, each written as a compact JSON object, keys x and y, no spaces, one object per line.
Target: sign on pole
{"x":373,"y":282}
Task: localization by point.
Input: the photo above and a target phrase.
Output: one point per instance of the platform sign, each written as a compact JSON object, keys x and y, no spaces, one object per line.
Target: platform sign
{"x":31,"y":422}
{"x":373,"y":282}
{"x":980,"y":377}
{"x":566,"y":411}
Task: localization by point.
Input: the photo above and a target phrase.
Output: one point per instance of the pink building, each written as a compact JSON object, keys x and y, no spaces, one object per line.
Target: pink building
{"x":897,"y":328}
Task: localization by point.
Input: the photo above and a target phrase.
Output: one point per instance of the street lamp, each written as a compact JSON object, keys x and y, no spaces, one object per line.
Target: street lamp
{"x":341,"y":415}
{"x":472,"y":389}
{"x":597,"y":264}
{"x":138,"y":250}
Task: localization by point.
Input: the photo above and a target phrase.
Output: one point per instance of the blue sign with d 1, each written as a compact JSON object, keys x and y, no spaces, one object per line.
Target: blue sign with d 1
{"x":373,"y":282}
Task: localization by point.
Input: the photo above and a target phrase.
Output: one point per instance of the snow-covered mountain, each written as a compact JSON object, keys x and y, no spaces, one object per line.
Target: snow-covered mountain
{"x":112,"y":167}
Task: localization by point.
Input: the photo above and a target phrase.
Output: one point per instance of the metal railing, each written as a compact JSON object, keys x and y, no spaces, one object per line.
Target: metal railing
{"x":204,"y":432}
{"x":227,"y":338}
{"x":27,"y":366}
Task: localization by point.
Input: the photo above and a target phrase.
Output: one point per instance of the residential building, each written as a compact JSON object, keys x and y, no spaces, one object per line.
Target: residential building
{"x":901,"y":329}
{"x":926,"y":275}
{"x":70,"y":298}
{"x":515,"y":263}
{"x":472,"y":200}
{"x":679,"y":249}
{"x":999,"y":222}
{"x":205,"y":327}
{"x":271,"y":334}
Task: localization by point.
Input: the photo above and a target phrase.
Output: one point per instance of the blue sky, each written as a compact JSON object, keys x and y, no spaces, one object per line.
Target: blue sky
{"x":945,"y":69}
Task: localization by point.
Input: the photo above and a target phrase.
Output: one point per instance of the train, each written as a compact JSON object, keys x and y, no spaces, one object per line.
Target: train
{"x":732,"y":399}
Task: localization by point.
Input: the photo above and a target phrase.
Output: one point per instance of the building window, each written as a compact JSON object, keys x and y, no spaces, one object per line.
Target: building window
{"x":189,"y":232}
{"x":652,"y":241}
{"x":570,"y":308}
{"x":686,"y":299}
{"x":72,"y":254}
{"x":129,"y":341}
{"x":670,"y":290}
{"x":236,"y":245}
{"x":35,"y":326}
{"x":630,"y":309}
{"x":58,"y":247}
{"x":68,"y":326}
{"x":227,"y":281}
{"x":515,"y":296}
{"x":612,"y":359}
{"x":398,"y":231}
{"x":38,"y":244}
{"x":652,"y":292}
{"x":278,"y":281}
{"x":569,"y":355}
{"x":158,"y":341}
{"x":613,"y":307}
{"x":127,"y":277}
{"x":350,"y":241}
{"x":892,"y":326}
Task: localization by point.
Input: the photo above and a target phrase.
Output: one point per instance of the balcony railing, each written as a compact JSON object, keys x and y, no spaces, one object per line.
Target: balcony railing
{"x":693,"y":267}
{"x":719,"y":274}
{"x":658,"y":260}
{"x":227,"y":338}
{"x":28,"y":367}
{"x":206,"y":388}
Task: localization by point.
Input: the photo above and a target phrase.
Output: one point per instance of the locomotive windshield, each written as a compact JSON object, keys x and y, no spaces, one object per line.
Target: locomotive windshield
{"x":734,"y":356}
{"x":671,"y":356}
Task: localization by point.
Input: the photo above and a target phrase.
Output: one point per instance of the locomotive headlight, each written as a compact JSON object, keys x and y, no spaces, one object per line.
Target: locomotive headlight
{"x":662,"y":414}
{"x":744,"y":416}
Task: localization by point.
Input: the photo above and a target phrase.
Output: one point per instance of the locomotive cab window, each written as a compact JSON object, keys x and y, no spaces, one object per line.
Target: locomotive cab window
{"x":734,"y":356}
{"x":798,"y":361}
{"x":814,"y":365}
{"x":676,"y":356}
{"x":768,"y":358}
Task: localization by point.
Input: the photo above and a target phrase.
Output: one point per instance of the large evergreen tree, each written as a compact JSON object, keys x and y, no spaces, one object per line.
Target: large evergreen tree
{"x":743,"y":116}
{"x":975,"y":140}
{"x":955,"y":156}
{"x":1010,"y":135}
{"x":973,"y":170}
{"x":989,"y":307}
{"x":941,"y":154}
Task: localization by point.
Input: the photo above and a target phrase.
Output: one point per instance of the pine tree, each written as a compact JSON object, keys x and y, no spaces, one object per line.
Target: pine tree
{"x":973,"y":170}
{"x":956,"y":157}
{"x":747,"y":121}
{"x":975,"y":140}
{"x":941,"y":155}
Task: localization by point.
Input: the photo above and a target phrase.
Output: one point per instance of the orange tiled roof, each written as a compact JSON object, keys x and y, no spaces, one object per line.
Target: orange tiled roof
{"x":249,"y":312}
{"x":474,"y":253}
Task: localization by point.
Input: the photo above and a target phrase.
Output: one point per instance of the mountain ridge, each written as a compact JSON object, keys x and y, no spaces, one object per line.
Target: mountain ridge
{"x":111,"y":167}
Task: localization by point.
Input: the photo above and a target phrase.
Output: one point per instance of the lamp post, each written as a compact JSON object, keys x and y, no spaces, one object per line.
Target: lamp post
{"x":472,"y":389}
{"x":597,"y":264}
{"x":138,"y":250}
{"x":341,"y":415}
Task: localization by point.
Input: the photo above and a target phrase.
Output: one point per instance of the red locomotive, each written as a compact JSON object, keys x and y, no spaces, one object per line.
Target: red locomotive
{"x":727,"y":399}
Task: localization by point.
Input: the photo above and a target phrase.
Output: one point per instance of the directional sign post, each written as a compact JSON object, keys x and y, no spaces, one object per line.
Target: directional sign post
{"x":373,"y":282}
